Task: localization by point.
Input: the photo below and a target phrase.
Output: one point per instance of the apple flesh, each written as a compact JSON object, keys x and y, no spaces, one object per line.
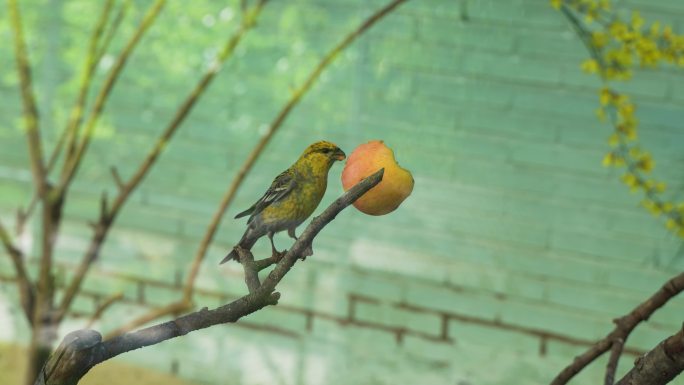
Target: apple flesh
{"x":396,"y":184}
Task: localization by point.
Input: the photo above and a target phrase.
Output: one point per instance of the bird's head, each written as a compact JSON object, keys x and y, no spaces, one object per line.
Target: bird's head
{"x":324,"y":152}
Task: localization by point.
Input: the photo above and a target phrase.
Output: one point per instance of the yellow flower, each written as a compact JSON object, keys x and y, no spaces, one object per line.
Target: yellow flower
{"x":671,"y":224}
{"x":599,"y":39}
{"x":590,"y":66}
{"x":637,"y":20}
{"x":609,"y":159}
{"x":605,"y":96}
{"x":660,"y":187}
{"x":292,"y":197}
{"x":645,"y":162}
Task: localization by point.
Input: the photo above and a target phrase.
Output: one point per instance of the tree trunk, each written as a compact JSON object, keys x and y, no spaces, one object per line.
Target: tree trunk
{"x":38,"y":352}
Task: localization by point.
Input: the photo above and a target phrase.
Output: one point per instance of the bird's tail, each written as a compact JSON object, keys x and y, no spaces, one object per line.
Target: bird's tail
{"x":246,"y":242}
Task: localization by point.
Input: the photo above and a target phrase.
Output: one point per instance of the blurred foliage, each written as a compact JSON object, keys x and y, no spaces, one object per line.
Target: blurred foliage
{"x":272,"y":60}
{"x":618,"y":43}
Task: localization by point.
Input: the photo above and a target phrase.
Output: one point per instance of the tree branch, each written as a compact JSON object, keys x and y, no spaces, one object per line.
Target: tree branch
{"x":70,"y":133}
{"x":659,"y":366}
{"x":251,"y":273}
{"x":41,"y":304}
{"x":83,"y":349}
{"x":73,"y":160}
{"x":611,"y":367}
{"x":623,"y":327}
{"x":106,"y":304}
{"x":127,"y":188}
{"x":26,"y":290}
{"x":31,"y":115}
{"x":228,"y":197}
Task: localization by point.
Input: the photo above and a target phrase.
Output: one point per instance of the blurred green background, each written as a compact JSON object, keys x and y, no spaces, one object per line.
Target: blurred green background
{"x":515,"y":251}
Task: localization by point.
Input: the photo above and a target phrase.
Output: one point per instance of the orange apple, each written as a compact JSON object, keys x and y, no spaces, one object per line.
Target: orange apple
{"x":396,"y":184}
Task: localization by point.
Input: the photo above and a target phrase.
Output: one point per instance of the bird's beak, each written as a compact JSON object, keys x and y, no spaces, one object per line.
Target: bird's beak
{"x":340,"y":155}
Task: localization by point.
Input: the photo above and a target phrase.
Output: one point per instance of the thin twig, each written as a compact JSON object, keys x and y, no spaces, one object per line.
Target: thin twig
{"x":267,"y":262}
{"x":106,"y":304}
{"x":611,"y":367}
{"x":623,"y":328}
{"x":26,"y":290}
{"x":31,"y":115}
{"x":111,"y":31}
{"x":73,"y":161}
{"x":117,"y":178}
{"x":69,"y":134}
{"x":251,"y":273}
{"x":172,"y":308}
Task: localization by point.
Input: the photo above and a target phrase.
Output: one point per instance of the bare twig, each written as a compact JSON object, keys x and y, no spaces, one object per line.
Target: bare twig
{"x":148,"y":162}
{"x":106,"y":304}
{"x":83,"y":349}
{"x":228,"y":197}
{"x":73,"y":160}
{"x":267,"y":262}
{"x":623,"y":328}
{"x":611,"y":367}
{"x":172,"y":308}
{"x":659,"y":366}
{"x":117,"y":178}
{"x":251,"y":273}
{"x":31,"y":116}
{"x":26,"y":290}
{"x":70,"y":133}
{"x":111,"y":31}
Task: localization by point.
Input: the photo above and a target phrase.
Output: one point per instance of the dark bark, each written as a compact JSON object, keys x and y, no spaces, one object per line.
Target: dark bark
{"x":659,"y":366}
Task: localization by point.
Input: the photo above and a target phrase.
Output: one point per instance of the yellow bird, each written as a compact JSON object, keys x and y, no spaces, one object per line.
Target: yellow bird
{"x":292,"y":197}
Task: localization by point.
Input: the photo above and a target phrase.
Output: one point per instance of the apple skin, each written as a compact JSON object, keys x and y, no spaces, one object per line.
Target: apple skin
{"x":396,"y":184}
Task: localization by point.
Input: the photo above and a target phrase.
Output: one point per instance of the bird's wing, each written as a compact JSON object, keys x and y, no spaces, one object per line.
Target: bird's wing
{"x":282,"y":185}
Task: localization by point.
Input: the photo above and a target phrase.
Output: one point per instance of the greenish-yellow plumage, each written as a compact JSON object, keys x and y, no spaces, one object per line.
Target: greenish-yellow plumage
{"x":292,"y":197}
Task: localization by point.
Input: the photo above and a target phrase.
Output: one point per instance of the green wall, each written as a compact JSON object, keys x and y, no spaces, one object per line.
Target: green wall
{"x":515,"y":241}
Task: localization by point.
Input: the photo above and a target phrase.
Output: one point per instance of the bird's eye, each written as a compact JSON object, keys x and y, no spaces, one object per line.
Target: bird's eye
{"x":326,"y":150}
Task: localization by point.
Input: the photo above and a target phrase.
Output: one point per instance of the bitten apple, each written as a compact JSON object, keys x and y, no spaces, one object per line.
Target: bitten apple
{"x":396,"y":184}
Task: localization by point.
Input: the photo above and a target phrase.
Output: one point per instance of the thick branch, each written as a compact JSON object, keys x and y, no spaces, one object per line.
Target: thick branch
{"x":83,"y":349}
{"x":623,"y":328}
{"x":659,"y":366}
